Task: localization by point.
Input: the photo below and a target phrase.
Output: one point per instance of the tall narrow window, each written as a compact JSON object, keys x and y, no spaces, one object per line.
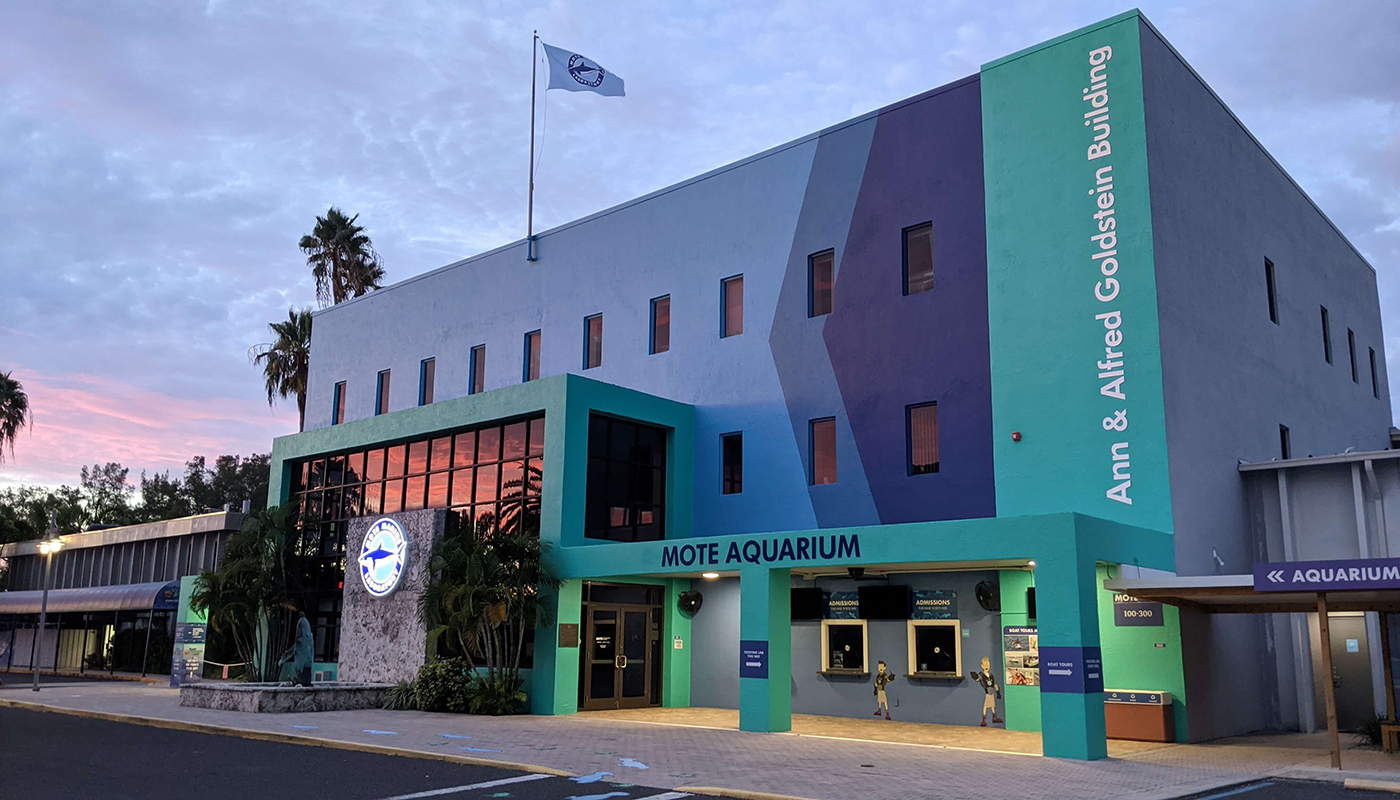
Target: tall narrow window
{"x":381,"y":394}
{"x":732,"y":306}
{"x":661,"y":324}
{"x":426,"y":372}
{"x":821,"y":272}
{"x":918,"y":258}
{"x":338,"y":407}
{"x":593,"y":341}
{"x":1326,"y":336}
{"x":532,"y":355}
{"x":1273,"y":291}
{"x":1285,"y":447}
{"x":922,"y":424}
{"x":1351,"y":346}
{"x":823,"y":451}
{"x":1375,"y":380}
{"x":478,"y":367}
{"x":731,"y":447}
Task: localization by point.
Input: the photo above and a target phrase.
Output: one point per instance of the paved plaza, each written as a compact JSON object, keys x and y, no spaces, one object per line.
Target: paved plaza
{"x":681,"y":748}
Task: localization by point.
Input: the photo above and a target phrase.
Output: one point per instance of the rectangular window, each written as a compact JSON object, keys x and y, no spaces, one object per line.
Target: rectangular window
{"x":532,"y":356}
{"x":823,"y":435}
{"x":626,"y":481}
{"x":1326,"y":336}
{"x":338,"y":404}
{"x":1285,"y":447}
{"x":922,"y":424}
{"x":821,"y":277}
{"x":426,"y":372}
{"x":593,"y":341}
{"x":918,"y":258}
{"x":1273,"y":292}
{"x":661,"y":324}
{"x":381,"y":394}
{"x":1351,"y":346}
{"x":1375,"y":379}
{"x":478,"y":368}
{"x":731,"y":306}
{"x":731,"y":447}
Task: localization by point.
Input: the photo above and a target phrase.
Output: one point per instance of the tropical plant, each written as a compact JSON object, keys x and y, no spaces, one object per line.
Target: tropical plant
{"x":444,"y":684}
{"x":520,"y":506}
{"x":285,"y":360}
{"x":483,"y":593}
{"x":402,"y":696}
{"x":341,"y":257}
{"x":246,"y":596}
{"x":495,"y":696}
{"x":15,"y":413}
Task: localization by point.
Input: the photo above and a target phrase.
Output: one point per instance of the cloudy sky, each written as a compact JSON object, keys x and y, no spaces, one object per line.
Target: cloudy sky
{"x":159,"y":161}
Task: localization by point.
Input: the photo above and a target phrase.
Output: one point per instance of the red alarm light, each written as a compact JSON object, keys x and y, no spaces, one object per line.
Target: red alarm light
{"x":1015,"y":436}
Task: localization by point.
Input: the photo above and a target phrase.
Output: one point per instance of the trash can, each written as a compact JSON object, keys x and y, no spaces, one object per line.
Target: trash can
{"x":1140,"y":716}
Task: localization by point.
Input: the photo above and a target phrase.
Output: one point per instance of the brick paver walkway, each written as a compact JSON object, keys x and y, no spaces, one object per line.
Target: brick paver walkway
{"x":812,"y":766}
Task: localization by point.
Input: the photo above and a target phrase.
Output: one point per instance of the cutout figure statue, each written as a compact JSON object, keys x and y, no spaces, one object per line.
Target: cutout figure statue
{"x":989,"y":685}
{"x":883,"y":678}
{"x":299,"y":654}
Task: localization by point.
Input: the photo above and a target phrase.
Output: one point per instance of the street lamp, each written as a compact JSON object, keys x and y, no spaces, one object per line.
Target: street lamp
{"x":48,"y":547}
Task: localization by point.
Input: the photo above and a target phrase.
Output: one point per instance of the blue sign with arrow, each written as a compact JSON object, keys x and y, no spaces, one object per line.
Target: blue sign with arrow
{"x":1322,"y":576}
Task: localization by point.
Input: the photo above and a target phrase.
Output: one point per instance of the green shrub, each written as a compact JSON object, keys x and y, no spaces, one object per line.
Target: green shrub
{"x":1372,"y":730}
{"x":444,"y":685}
{"x":497,"y":696}
{"x":403,"y":697}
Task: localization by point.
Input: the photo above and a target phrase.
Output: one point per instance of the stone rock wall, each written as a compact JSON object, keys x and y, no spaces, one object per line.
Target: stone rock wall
{"x":381,"y":638}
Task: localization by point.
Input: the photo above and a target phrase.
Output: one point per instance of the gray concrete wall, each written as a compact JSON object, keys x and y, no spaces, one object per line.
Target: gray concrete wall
{"x":1220,"y":206}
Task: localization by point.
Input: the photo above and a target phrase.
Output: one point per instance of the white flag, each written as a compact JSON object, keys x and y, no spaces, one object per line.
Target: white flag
{"x":575,"y":73}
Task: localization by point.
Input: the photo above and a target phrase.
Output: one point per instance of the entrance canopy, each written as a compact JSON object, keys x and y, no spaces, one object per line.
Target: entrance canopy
{"x":1235,"y":594}
{"x":123,"y":597}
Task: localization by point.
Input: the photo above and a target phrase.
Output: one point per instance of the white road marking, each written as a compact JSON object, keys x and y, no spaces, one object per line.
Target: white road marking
{"x":666,"y":796}
{"x":468,"y":788}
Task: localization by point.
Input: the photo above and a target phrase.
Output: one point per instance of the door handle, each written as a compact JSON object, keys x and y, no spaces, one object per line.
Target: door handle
{"x":620,"y":662}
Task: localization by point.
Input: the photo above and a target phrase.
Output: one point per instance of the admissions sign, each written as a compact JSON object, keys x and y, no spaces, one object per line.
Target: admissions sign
{"x":1321,"y":576}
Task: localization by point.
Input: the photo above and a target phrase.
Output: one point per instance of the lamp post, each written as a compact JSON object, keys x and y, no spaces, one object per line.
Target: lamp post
{"x":48,"y":547}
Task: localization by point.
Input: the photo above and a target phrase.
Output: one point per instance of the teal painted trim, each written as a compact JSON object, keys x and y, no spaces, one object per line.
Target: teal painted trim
{"x":765,"y":614}
{"x":675,"y":680}
{"x":1131,"y":657}
{"x":329,"y":670}
{"x":1022,"y":702}
{"x":183,"y":612}
{"x":1076,"y":726}
{"x":553,"y":682}
{"x":1066,"y":587}
{"x":1033,"y":49}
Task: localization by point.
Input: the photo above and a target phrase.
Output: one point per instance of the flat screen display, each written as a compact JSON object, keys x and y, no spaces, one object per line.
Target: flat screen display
{"x":808,"y":603}
{"x":884,"y":602}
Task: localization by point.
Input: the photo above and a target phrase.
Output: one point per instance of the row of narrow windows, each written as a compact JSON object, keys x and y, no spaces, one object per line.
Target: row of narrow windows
{"x":1271,"y":286}
{"x":917,"y":273}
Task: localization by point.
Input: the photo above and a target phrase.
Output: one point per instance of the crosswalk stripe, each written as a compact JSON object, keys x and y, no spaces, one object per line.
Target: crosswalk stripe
{"x":469,"y":787}
{"x":666,"y":796}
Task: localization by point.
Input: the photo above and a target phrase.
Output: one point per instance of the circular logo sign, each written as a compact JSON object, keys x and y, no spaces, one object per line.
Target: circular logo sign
{"x":584,"y":71}
{"x":383,"y":557}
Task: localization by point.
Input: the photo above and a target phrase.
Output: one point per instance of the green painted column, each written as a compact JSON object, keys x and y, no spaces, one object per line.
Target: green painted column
{"x":1022,"y":702}
{"x":675,"y":649}
{"x":554,"y":680}
{"x":765,"y":649}
{"x":1071,"y":702}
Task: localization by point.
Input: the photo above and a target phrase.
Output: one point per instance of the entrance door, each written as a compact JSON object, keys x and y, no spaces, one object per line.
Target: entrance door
{"x":617,"y":673}
{"x":1351,"y":674}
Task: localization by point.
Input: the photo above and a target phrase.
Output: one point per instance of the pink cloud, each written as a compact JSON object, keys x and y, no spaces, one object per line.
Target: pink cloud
{"x":82,"y":419}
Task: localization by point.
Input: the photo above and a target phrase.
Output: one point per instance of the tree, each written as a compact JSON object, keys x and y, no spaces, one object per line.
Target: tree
{"x":341,"y":257}
{"x":285,"y":360}
{"x":14,"y":412}
{"x":25,"y":510}
{"x":232,"y":480}
{"x":106,"y":494}
{"x":162,"y":497}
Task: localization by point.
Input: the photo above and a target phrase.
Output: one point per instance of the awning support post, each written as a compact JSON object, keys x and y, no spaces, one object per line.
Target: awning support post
{"x":112,"y":643}
{"x":82,"y":654}
{"x":1329,"y":690}
{"x":1386,"y":671}
{"x":145,"y":654}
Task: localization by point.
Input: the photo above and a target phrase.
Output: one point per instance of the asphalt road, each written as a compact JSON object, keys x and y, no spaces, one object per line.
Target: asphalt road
{"x":46,"y":756}
{"x":1289,"y":790}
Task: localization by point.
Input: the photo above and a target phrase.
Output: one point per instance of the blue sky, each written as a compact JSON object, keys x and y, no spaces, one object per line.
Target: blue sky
{"x":161,"y":160}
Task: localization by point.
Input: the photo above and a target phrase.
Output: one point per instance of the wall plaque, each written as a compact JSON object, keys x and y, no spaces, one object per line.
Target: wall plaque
{"x":568,"y":634}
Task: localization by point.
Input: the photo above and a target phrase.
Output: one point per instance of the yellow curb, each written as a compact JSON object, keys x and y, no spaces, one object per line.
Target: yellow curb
{"x":285,"y":738}
{"x":1375,"y":786}
{"x":738,"y":794}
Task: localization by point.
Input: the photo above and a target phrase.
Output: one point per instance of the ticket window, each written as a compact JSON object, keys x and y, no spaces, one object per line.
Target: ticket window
{"x":845,"y":643}
{"x":935,"y":648}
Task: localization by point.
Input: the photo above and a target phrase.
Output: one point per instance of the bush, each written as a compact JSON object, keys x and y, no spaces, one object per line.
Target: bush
{"x":403,"y":697}
{"x":1372,"y":730}
{"x":444,"y":685}
{"x":496,"y":696}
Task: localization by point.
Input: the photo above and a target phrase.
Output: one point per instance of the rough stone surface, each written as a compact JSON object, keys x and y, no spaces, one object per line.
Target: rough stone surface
{"x":272,"y":698}
{"x":381,"y":638}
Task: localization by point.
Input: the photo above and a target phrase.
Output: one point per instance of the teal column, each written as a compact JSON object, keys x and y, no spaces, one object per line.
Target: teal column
{"x":1071,"y":702}
{"x":554,"y":679}
{"x":675,"y":649}
{"x":765,"y":649}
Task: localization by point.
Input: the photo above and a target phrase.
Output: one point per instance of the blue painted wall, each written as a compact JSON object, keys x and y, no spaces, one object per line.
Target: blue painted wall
{"x":877,"y":353}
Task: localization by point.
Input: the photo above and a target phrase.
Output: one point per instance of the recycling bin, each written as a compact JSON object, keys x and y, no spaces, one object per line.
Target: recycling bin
{"x":1140,"y":716}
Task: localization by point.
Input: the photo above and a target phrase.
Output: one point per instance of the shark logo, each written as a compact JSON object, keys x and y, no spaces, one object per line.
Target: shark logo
{"x":585,"y":71}
{"x":383,"y":557}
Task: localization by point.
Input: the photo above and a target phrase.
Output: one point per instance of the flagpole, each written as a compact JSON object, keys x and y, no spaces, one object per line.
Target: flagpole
{"x":530,"y":207}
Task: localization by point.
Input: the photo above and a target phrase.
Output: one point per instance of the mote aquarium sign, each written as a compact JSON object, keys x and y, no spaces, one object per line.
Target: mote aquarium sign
{"x":762,"y":551}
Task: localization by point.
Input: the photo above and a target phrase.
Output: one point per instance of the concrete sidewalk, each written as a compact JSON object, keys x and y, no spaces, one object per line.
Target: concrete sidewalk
{"x":812,"y":766}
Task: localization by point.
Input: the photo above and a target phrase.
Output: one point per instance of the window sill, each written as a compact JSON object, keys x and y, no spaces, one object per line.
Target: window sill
{"x":845,"y":673}
{"x":936,"y":676}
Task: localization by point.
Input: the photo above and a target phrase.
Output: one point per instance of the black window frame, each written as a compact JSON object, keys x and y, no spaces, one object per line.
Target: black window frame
{"x":812,"y":283}
{"x":427,"y":377}
{"x":1271,"y":286}
{"x":1326,"y":334}
{"x":529,"y":351}
{"x":338,"y":404}
{"x":1351,"y":347}
{"x":1285,"y":441}
{"x":381,"y":392}
{"x":724,"y":332}
{"x":911,"y":468}
{"x":1375,"y":379}
{"x":731,"y":481}
{"x":651,"y":336}
{"x":904,"y":250}
{"x":476,"y":383}
{"x":627,"y":473}
{"x":588,"y":341}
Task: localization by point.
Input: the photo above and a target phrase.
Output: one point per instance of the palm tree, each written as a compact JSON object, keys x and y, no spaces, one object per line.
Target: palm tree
{"x":341,"y":258}
{"x":284,"y":361}
{"x":14,"y":412}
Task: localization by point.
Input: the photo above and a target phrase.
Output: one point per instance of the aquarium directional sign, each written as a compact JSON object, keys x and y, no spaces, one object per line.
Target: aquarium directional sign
{"x":1322,"y":576}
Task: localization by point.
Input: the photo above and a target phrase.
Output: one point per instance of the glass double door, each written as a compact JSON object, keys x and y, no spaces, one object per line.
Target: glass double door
{"x":617,"y":658}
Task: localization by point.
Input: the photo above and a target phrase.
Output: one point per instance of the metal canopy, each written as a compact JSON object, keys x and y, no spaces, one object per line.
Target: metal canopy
{"x":1235,"y":594}
{"x":124,"y":597}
